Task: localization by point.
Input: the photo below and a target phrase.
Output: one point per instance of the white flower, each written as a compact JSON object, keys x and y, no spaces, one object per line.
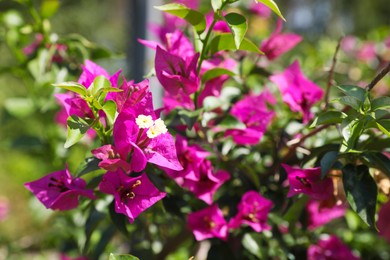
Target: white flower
{"x":143,"y":121}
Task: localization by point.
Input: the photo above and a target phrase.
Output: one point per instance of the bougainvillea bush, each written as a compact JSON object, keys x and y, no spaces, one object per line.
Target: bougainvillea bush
{"x":251,"y":156}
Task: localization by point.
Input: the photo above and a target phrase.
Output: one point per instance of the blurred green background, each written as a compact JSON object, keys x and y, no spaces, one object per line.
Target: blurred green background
{"x":31,"y":146}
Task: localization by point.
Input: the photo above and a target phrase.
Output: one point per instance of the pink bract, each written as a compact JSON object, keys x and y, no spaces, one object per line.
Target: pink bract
{"x":132,"y":141}
{"x":253,"y":211}
{"x":383,"y":221}
{"x":132,"y":195}
{"x":322,"y":212}
{"x":279,"y":43}
{"x":208,"y":223}
{"x":175,"y":72}
{"x":59,"y":190}
{"x":297,"y":91}
{"x":330,"y":248}
{"x":309,"y":182}
{"x":252,"y":110}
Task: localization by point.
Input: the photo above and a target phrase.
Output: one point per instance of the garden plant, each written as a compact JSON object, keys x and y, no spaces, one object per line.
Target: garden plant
{"x":263,"y":148}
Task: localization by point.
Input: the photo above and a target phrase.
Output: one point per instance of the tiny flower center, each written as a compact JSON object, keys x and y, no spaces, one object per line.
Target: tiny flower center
{"x":128,"y":193}
{"x":209,"y":223}
{"x":59,"y":184}
{"x":303,"y":181}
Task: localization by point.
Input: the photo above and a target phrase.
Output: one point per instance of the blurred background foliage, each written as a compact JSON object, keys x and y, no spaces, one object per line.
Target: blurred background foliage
{"x":31,"y":145}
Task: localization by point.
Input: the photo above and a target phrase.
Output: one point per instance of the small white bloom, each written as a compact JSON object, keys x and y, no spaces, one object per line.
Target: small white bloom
{"x":159,"y":123}
{"x":143,"y":121}
{"x":153,"y":132}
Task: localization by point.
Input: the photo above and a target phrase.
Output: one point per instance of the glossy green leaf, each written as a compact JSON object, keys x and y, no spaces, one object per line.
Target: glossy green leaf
{"x":195,"y":18}
{"x":328,"y":117}
{"x":353,"y":91}
{"x":295,"y":211}
{"x":378,"y":161}
{"x":351,"y":101}
{"x":119,"y":220}
{"x":99,"y":84}
{"x":73,"y":86}
{"x":110,"y":109}
{"x":122,"y":257}
{"x":384,"y":126}
{"x":225,"y":42}
{"x":273,"y":6}
{"x":238,"y":26}
{"x":230,"y":122}
{"x":90,"y":164}
{"x":380,"y":103}
{"x":189,"y":117}
{"x":327,"y":162}
{"x":351,"y":130}
{"x":77,"y":127}
{"x":361,"y":191}
{"x":216,"y":72}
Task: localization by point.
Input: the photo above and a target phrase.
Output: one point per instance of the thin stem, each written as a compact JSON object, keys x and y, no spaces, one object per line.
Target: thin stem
{"x":331,"y":74}
{"x":378,"y":77}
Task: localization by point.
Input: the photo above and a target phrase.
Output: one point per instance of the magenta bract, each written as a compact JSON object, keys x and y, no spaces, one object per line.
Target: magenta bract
{"x":279,"y":43}
{"x":253,"y":211}
{"x":309,"y":182}
{"x":253,"y":112}
{"x":330,"y":248}
{"x":132,"y":195}
{"x":322,"y":212}
{"x":297,"y":91}
{"x":208,"y":223}
{"x":59,"y":190}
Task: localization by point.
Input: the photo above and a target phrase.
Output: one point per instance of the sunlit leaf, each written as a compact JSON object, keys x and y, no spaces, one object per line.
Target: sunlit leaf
{"x":238,"y":26}
{"x":273,"y":6}
{"x":77,"y":127}
{"x":225,"y":42}
{"x":353,"y":91}
{"x":195,"y":18}
{"x":73,"y":86}
{"x":216,"y":72}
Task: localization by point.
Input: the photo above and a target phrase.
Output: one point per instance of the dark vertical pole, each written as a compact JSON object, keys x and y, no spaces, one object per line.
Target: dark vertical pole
{"x":137,"y":17}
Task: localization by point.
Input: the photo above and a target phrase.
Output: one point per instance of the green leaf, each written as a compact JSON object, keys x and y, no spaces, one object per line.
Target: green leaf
{"x":273,"y":6}
{"x":295,"y":211}
{"x":195,"y":18}
{"x":189,"y":117}
{"x":249,"y":242}
{"x":351,"y":101}
{"x":74,"y":87}
{"x":49,"y":8}
{"x":77,"y":127}
{"x":351,"y":130}
{"x":19,"y":107}
{"x":216,"y":72}
{"x":110,"y":109}
{"x":122,"y":257}
{"x":225,"y":42}
{"x":230,"y":122}
{"x":380,"y":103}
{"x":384,"y":126}
{"x":361,"y":191}
{"x":119,"y":220}
{"x":327,"y":162}
{"x":378,"y":161}
{"x":328,"y":117}
{"x":354,"y":91}
{"x":238,"y":26}
{"x":90,"y":164}
{"x":99,"y":84}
